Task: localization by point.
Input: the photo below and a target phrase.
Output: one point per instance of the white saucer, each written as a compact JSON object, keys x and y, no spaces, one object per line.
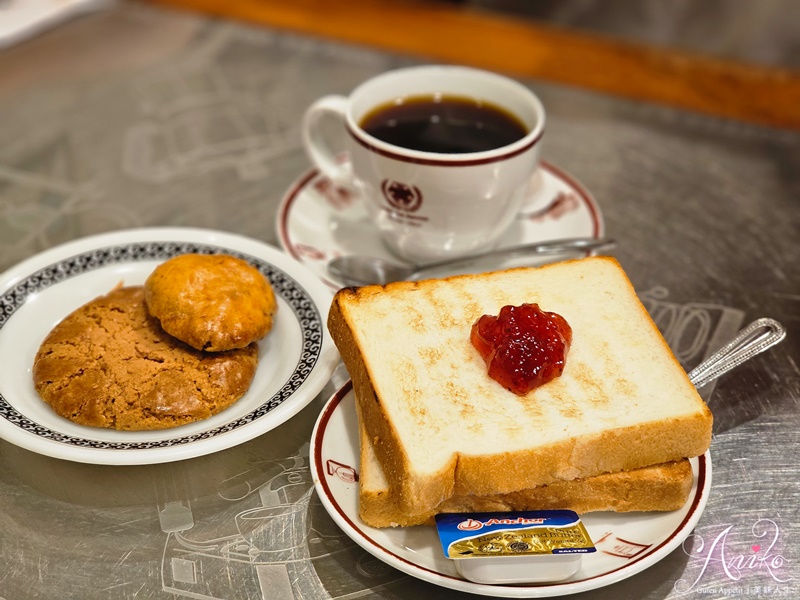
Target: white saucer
{"x":627,"y":543}
{"x":318,"y":221}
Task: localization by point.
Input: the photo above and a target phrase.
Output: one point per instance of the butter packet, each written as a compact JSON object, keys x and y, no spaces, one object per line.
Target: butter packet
{"x":529,"y":546}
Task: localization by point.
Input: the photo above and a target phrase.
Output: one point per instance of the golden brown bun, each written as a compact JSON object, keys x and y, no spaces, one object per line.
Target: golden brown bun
{"x":212,"y":302}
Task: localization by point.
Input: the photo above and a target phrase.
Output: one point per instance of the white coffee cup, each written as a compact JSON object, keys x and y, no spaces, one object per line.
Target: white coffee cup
{"x":429,"y":205}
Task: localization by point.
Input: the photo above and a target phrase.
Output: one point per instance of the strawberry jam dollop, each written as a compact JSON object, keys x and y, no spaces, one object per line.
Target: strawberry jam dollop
{"x":524,"y":346}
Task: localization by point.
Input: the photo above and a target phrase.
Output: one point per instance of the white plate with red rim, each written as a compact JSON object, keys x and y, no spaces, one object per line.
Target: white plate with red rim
{"x":318,"y":221}
{"x":627,"y":543}
{"x":296,"y":358}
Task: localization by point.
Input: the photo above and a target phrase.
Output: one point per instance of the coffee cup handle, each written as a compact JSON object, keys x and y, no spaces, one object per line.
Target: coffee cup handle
{"x":318,"y":148}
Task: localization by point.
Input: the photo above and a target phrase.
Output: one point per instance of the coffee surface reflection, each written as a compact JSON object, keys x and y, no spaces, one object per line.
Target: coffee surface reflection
{"x":443,"y":124}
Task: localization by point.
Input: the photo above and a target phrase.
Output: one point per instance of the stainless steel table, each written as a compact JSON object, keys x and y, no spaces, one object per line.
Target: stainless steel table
{"x":102,"y":129}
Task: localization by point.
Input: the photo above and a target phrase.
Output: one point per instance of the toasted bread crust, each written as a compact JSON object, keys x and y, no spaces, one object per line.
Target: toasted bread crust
{"x":662,"y":487}
{"x":614,"y":448}
{"x":387,"y":446}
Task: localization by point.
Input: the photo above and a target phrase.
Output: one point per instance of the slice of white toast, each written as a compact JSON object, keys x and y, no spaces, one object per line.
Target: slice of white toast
{"x":661,"y":487}
{"x":445,"y":428}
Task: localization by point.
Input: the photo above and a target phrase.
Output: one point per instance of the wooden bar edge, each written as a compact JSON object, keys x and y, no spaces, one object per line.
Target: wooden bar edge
{"x":449,"y":33}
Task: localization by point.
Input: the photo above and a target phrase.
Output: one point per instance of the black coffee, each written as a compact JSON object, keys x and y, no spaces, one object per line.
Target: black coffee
{"x":446,"y":124}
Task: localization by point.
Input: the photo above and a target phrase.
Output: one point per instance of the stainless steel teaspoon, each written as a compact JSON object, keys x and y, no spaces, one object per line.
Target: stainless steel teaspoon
{"x":753,"y":339}
{"x":365,"y":270}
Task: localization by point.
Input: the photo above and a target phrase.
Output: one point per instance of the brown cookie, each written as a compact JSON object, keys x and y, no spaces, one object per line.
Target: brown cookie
{"x":110,"y":364}
{"x":212,"y":302}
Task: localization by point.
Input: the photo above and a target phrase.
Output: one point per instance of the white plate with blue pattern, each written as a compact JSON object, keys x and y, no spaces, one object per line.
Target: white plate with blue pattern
{"x":296,"y":359}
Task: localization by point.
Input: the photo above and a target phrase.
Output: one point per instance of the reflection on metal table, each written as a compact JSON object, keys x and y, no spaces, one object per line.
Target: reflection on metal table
{"x":186,"y":121}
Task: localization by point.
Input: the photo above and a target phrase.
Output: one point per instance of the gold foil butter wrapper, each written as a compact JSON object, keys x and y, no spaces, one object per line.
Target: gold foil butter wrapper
{"x":529,"y":533}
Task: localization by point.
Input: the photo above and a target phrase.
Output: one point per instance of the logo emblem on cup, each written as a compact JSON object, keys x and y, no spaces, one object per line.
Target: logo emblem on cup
{"x":401,"y":196}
